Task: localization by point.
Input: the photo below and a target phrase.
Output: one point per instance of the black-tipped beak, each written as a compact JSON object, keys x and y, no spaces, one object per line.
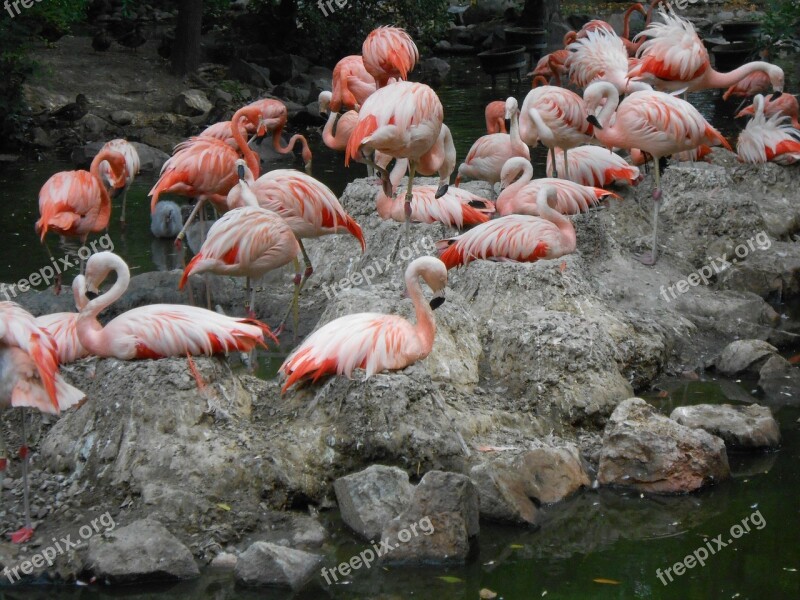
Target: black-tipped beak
{"x":507,"y":121}
{"x":240,"y":171}
{"x":91,"y":295}
{"x":442,"y":190}
{"x":776,"y":95}
{"x":436,"y":302}
{"x":335,"y":123}
{"x":324,"y":113}
{"x":593,"y":120}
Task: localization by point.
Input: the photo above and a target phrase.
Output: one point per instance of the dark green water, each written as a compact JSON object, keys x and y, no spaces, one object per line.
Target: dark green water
{"x":599,"y":544}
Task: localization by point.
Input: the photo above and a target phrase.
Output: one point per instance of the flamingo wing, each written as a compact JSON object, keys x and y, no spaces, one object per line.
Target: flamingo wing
{"x":63,"y":327}
{"x":673,"y":52}
{"x":73,"y":203}
{"x":599,"y":55}
{"x":457,"y":208}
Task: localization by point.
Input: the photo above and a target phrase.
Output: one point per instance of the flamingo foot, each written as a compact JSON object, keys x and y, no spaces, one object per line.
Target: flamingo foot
{"x":657,"y":195}
{"x":22,"y":535}
{"x":646,"y":258}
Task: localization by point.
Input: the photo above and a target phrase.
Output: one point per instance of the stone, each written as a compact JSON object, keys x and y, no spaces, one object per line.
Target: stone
{"x":251,"y":73}
{"x":286,"y":66}
{"x":740,"y":427}
{"x":649,"y":452}
{"x":441,"y":491}
{"x":300,"y":95}
{"x":191,"y":103}
{"x":224,"y":561}
{"x":150,"y":159}
{"x":433,"y":71}
{"x":744,"y":355}
{"x":144,"y":551}
{"x":122,"y":117}
{"x":266,"y":564}
{"x":92,"y":124}
{"x":41,"y":138}
{"x":780,"y":381}
{"x":439,"y":538}
{"x":369,"y":499}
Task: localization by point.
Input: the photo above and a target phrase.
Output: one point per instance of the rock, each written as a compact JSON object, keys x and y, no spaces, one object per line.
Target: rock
{"x":40,"y":138}
{"x":191,"y":103}
{"x":740,"y":427}
{"x":432,"y":71}
{"x":150,"y":159}
{"x":649,"y":452}
{"x":780,"y":381}
{"x":122,"y":117}
{"x":286,"y":66}
{"x":300,"y":95}
{"x":319,"y":72}
{"x":440,"y":491}
{"x":251,"y":73}
{"x":266,"y":564}
{"x":369,"y":499}
{"x":744,"y":355}
{"x":143,"y":551}
{"x":220,"y":95}
{"x":511,"y":488}
{"x":439,"y":538}
{"x":224,"y":561}
{"x":92,"y":124}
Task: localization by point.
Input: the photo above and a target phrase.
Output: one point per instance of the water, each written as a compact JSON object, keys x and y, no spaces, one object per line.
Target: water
{"x":599,"y":544}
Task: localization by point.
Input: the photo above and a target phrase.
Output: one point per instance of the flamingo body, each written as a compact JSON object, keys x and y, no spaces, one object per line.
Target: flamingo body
{"x":594,"y":166}
{"x":352,"y":84}
{"x":770,"y":139}
{"x":389,"y":52}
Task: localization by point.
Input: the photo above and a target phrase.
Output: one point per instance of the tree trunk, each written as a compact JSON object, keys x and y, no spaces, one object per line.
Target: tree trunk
{"x":186,"y":50}
{"x":538,"y":13}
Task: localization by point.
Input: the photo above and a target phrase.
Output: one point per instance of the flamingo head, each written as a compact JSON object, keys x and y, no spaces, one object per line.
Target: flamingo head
{"x":241,"y":167}
{"x":97,"y":269}
{"x":512,"y":170}
{"x":79,"y":292}
{"x":776,"y":78}
{"x":512,"y":106}
{"x":434,"y":273}
{"x":570,"y":37}
{"x":118,"y":169}
{"x":638,"y":7}
{"x":325,"y":103}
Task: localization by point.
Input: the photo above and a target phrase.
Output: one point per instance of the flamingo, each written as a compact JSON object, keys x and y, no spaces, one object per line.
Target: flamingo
{"x":245,"y":242}
{"x":598,"y":25}
{"x":167,"y":221}
{"x":223,"y":132}
{"x":489,"y":153}
{"x":402,"y":120}
{"x":441,"y":159}
{"x":76,"y":203}
{"x":63,"y":326}
{"x":157,"y":330}
{"x":495,"y":117}
{"x":756,"y":82}
{"x":514,"y":238}
{"x":655,"y":122}
{"x":274,"y":116}
{"x":598,"y":55}
{"x":770,"y":139}
{"x":457,"y":208}
{"x":785,"y":104}
{"x":389,"y":52}
{"x":700,"y":153}
{"x":29,"y":378}
{"x":352,"y":84}
{"x":132,"y":166}
{"x":595,"y":166}
{"x":346,"y":123}
{"x":556,"y":117}
{"x":520,"y":195}
{"x":674,"y":58}
{"x":553,"y":65}
{"x":372,"y":341}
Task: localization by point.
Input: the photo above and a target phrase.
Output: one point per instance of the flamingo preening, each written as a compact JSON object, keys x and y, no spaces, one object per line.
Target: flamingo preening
{"x":389,"y":52}
{"x":655,"y":122}
{"x":352,"y":84}
{"x":594,"y":166}
{"x":494,"y":113}
{"x":63,"y":326}
{"x":785,"y":105}
{"x":132,"y":166}
{"x":770,"y":139}
{"x":372,"y":341}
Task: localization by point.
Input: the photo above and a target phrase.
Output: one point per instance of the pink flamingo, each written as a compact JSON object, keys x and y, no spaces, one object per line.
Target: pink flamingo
{"x":440,"y":159}
{"x":770,"y":139}
{"x":595,"y":166}
{"x":598,"y":55}
{"x":352,"y":84}
{"x":520,"y":194}
{"x":132,"y":166}
{"x":157,"y":330}
{"x":756,"y":82}
{"x":245,"y":242}
{"x":457,"y":208}
{"x":389,"y":52}
{"x":63,"y":326}
{"x":372,"y":341}
{"x":674,"y":58}
{"x":29,"y":378}
{"x":785,"y":104}
{"x":553,"y":65}
{"x":514,"y":238}
{"x":489,"y":153}
{"x":655,"y":122}
{"x":598,"y":25}
{"x":556,"y":117}
{"x":702,"y":152}
{"x":223,"y":132}
{"x":346,"y":124}
{"x":403,"y":120}
{"x":495,"y":117}
{"x":274,"y":116}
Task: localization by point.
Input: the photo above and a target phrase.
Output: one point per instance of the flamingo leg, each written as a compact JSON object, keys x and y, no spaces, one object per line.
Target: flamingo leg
{"x":552,"y":152}
{"x":649,"y":258}
{"x":566,"y":165}
{"x":293,"y":305}
{"x":25,"y":533}
{"x":412,"y":167}
{"x":182,"y":232}
{"x":249,"y":304}
{"x":57,"y":286}
{"x":124,"y":202}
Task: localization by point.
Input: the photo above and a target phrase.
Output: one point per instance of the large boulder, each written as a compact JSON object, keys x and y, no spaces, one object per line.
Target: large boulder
{"x":740,"y":427}
{"x":191,"y":103}
{"x":269,"y":565}
{"x":649,"y":452}
{"x":744,"y":355}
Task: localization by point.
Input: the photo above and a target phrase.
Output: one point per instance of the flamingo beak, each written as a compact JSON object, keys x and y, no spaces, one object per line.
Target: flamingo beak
{"x":441,"y":191}
{"x":593,"y":120}
{"x":777,"y":94}
{"x":240,"y":171}
{"x":437,"y":301}
{"x":91,"y":295}
{"x":335,"y":123}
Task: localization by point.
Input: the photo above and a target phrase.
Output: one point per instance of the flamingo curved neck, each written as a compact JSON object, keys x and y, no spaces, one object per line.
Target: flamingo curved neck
{"x":715,"y":79}
{"x":607,"y":134}
{"x":90,"y":331}
{"x":250,"y":156}
{"x":563,"y":223}
{"x":516,"y":141}
{"x":626,"y":20}
{"x":523,"y":180}
{"x":101,"y":156}
{"x":425,"y":326}
{"x":545,"y":133}
{"x":327,"y":132}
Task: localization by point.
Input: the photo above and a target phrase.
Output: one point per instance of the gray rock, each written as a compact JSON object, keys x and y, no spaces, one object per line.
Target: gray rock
{"x":432,"y":71}
{"x":141,"y":552}
{"x":441,"y":492}
{"x":503,"y":497}
{"x":224,"y":561}
{"x":92,"y":124}
{"x":297,"y":94}
{"x":439,"y":538}
{"x":740,"y":427}
{"x":122,"y":117}
{"x":251,"y":73}
{"x":41,"y":138}
{"x":649,"y":452}
{"x":266,"y":564}
{"x":744,"y":355}
{"x":220,"y":95}
{"x":319,"y":72}
{"x":286,"y":66}
{"x":780,"y":381}
{"x":191,"y":103}
{"x":369,"y":499}
{"x":150,"y":159}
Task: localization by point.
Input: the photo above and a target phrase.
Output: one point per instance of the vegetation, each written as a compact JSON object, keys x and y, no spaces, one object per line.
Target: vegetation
{"x":781,"y":23}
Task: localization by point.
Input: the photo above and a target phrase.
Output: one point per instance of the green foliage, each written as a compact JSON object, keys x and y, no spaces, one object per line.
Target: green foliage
{"x":781,"y":22}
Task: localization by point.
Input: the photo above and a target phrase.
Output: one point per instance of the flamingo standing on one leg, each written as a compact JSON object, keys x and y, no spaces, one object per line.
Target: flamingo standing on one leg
{"x":520,"y":193}
{"x":557,"y":118}
{"x":372,"y":341}
{"x":674,"y":58}
{"x":245,"y":242}
{"x":655,"y":122}
{"x":29,"y":378}
{"x":515,"y":238}
{"x":389,"y":52}
{"x":785,"y":104}
{"x":402,"y":120}
{"x":440,"y":159}
{"x":594,"y":166}
{"x":770,"y":139}
{"x":132,"y":166}
{"x":157,"y":330}
{"x":495,"y":115}
{"x":489,"y":153}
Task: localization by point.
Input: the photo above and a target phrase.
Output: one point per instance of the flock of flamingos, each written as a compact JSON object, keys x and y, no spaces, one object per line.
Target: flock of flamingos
{"x":375,"y":116}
